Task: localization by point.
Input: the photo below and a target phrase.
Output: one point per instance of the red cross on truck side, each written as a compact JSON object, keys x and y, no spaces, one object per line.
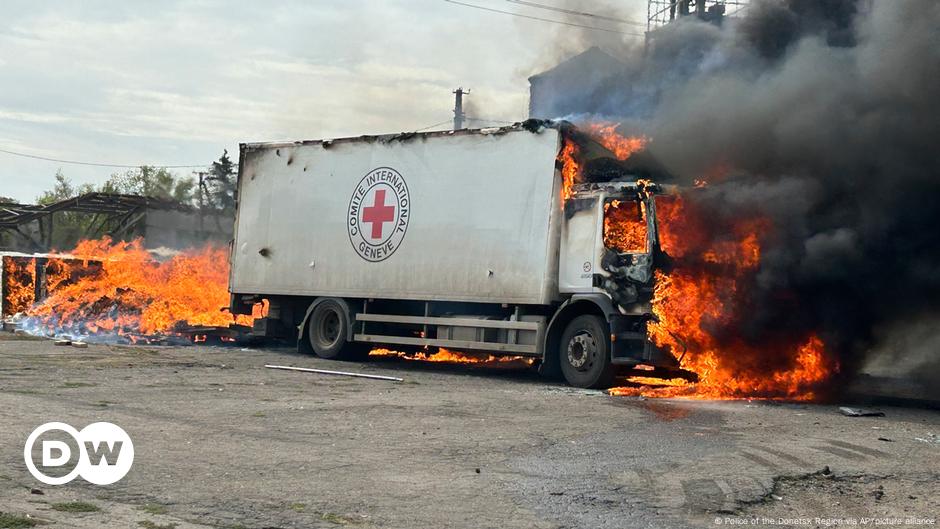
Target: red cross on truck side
{"x":378,"y":213}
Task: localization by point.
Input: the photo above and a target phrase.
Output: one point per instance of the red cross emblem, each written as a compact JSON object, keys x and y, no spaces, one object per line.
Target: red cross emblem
{"x":378,"y":214}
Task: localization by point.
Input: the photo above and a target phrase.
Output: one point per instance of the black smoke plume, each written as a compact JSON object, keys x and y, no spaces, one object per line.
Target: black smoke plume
{"x":823,"y":115}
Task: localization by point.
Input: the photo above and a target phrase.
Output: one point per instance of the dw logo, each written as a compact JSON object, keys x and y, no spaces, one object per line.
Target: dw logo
{"x":102,"y":453}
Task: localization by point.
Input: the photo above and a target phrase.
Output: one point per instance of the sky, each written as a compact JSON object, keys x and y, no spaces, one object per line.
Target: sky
{"x":176,"y":82}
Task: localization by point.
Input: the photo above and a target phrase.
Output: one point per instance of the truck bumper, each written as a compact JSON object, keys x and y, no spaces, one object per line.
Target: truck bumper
{"x":630,"y":344}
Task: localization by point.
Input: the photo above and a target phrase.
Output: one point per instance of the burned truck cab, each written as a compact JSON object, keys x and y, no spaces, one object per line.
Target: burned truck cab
{"x":610,"y":249}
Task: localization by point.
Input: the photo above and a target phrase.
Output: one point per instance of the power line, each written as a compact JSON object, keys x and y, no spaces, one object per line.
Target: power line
{"x":98,"y":164}
{"x":480,"y":120}
{"x":432,"y":126}
{"x":520,"y":15}
{"x":484,"y":120}
{"x":578,"y":13}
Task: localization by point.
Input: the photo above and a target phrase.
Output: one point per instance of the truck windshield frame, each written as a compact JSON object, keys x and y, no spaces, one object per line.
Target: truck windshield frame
{"x":627,"y":224}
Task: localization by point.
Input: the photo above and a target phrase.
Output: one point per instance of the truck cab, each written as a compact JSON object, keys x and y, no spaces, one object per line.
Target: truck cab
{"x":609,"y":249}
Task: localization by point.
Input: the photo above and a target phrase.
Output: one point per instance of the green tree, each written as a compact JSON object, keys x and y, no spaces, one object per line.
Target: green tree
{"x":151,"y":182}
{"x":221,"y":184}
{"x":63,"y":189}
{"x":64,"y":228}
{"x":68,"y":227}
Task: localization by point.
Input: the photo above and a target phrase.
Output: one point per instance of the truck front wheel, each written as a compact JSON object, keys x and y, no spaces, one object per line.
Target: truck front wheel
{"x":585,"y":353}
{"x":327,"y":330}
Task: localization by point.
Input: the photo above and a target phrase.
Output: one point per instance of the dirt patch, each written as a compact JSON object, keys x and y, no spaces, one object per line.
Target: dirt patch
{"x":898,"y":500}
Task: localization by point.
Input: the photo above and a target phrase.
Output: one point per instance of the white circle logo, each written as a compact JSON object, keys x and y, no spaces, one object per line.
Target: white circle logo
{"x":378,"y":214}
{"x":105,"y":453}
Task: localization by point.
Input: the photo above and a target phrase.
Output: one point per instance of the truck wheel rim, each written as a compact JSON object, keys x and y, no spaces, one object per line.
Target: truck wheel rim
{"x":328,"y":330}
{"x":581,"y":351}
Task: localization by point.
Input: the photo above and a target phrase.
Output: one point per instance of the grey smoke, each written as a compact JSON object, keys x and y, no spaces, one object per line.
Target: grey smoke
{"x":911,"y":349}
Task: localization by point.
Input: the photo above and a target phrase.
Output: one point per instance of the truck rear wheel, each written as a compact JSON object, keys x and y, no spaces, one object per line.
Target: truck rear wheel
{"x":327,"y":330}
{"x":585,"y":353}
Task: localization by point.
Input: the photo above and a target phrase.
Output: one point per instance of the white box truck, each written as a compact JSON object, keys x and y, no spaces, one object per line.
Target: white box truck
{"x":458,"y":239}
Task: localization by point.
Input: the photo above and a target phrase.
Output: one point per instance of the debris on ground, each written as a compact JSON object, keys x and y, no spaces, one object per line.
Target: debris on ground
{"x":860,"y":412}
{"x":328,"y":372}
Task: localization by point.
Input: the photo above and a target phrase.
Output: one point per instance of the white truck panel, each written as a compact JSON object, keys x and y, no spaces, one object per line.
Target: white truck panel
{"x":581,"y":250}
{"x":466,"y":216}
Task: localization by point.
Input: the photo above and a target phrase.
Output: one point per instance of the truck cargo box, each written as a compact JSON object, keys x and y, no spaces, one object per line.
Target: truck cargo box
{"x":452,"y":216}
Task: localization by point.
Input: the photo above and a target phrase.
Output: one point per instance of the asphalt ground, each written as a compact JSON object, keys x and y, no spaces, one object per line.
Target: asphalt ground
{"x":220,"y":441}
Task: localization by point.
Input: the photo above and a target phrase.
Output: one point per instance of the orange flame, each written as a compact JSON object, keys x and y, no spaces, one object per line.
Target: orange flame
{"x":570,"y":169}
{"x":625,"y":226}
{"x":702,"y":298}
{"x":456,"y":357}
{"x":19,"y":280}
{"x":131,"y":293}
{"x":59,"y":272}
{"x":699,"y":304}
{"x":605,"y":134}
{"x":622,"y":146}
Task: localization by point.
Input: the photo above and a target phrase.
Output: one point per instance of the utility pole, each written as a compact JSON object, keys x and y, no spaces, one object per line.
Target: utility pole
{"x":203,"y":191}
{"x":458,"y":107}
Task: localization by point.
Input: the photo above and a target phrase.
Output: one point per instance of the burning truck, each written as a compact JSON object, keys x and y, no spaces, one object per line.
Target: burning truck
{"x":538,"y":243}
{"x":471,"y":240}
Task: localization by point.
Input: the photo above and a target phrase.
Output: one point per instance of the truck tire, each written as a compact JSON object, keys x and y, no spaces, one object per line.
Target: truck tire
{"x":584,"y":353}
{"x":327,"y":330}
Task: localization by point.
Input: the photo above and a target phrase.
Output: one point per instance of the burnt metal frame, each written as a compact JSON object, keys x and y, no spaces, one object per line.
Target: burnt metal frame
{"x":658,"y":12}
{"x":127,"y":209}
